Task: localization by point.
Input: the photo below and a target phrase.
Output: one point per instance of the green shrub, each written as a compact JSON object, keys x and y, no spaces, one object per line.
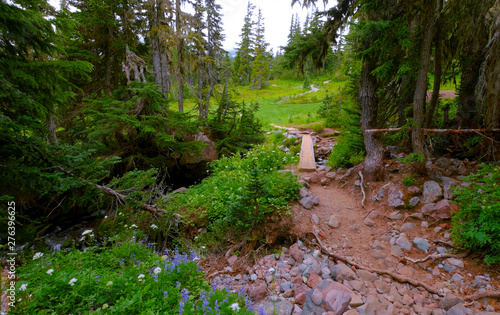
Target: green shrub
{"x":318,"y":128}
{"x":413,"y":157}
{"x":241,"y":192}
{"x":129,"y":278}
{"x":409,"y":181}
{"x":476,"y":225}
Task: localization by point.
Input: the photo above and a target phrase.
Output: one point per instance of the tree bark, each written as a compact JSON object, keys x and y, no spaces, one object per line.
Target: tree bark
{"x":467,"y":111}
{"x":437,"y":69}
{"x":158,"y":50}
{"x":180,"y":55}
{"x":421,"y":84}
{"x":368,"y":102}
{"x":492,"y":108}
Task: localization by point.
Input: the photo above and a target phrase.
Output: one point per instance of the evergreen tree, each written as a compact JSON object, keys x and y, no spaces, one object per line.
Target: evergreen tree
{"x":244,"y":53}
{"x":261,"y":63}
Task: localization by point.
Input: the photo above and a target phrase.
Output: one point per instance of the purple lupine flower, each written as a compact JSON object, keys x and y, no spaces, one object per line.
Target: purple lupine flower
{"x":262,"y":311}
{"x":185,"y":294}
{"x":165,"y":294}
{"x":181,"y":307}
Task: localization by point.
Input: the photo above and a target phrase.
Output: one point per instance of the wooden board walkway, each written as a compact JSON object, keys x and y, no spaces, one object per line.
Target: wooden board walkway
{"x":307,"y":162}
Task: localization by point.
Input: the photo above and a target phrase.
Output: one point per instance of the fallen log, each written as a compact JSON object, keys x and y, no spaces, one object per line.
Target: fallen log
{"x":427,"y":130}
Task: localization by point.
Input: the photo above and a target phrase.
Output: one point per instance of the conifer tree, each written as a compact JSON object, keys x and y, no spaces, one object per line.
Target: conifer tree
{"x":244,"y":53}
{"x":260,"y":65}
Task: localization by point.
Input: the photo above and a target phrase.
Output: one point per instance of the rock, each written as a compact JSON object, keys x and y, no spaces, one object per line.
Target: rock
{"x":396,"y":251}
{"x":381,"y":193}
{"x":456,"y":262}
{"x":403,"y":242}
{"x":432,"y":192}
{"x":366,"y":275}
{"x":351,"y":312}
{"x":325,"y":181}
{"x":444,"y":209}
{"x":407,"y":226}
{"x":286,"y":286}
{"x":258,"y":292}
{"x":307,"y":202}
{"x":381,"y":286}
{"x":232,"y":260}
{"x":428,"y":208}
{"x":413,"y":202}
{"x":313,"y":280}
{"x":315,"y":200}
{"x":458,"y":309}
{"x":395,"y":197}
{"x":378,"y":254}
{"x":413,"y":191}
{"x":317,"y":297}
{"x":253,"y":277}
{"x":396,"y":215}
{"x":479,"y":282}
{"x":315,"y":218}
{"x":337,"y":301}
{"x":369,"y":222}
{"x":372,"y":306}
{"x":449,"y":268}
{"x":457,"y":278}
{"x":378,"y":245}
{"x":331,"y":175}
{"x":281,"y":306}
{"x":341,"y":272}
{"x":421,"y":244}
{"x":296,"y":253}
{"x":333,"y":222}
{"x":303,"y":192}
{"x":300,"y":298}
{"x":310,"y":308}
{"x":449,"y":301}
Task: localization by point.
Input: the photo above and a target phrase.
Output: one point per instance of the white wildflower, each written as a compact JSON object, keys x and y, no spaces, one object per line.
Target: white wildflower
{"x":72,"y":281}
{"x":157,"y":270}
{"x":105,"y":306}
{"x":272,"y":270}
{"x":37,"y":255}
{"x":153,"y":226}
{"x":23,"y":287}
{"x":50,"y":271}
{"x":235,"y":307}
{"x":109,"y":283}
{"x":141,"y":276}
{"x":86,"y":232}
{"x":133,"y":226}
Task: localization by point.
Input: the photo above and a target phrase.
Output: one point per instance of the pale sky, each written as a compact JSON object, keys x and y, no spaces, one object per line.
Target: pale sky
{"x":277,"y":17}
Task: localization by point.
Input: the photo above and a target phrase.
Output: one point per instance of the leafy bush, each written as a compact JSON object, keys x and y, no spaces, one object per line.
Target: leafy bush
{"x":350,"y":149}
{"x":409,"y":181}
{"x":241,"y":191}
{"x":476,"y":225}
{"x":413,"y":157}
{"x":129,"y":278}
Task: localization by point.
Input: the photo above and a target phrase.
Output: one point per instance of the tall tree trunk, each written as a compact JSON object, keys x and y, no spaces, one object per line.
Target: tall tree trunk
{"x":108,"y":72}
{"x":492,"y":101}
{"x":52,"y":130}
{"x":158,"y":50}
{"x":201,"y":109}
{"x":180,"y":55}
{"x":417,"y":136}
{"x":368,"y":102}
{"x":437,"y":69}
{"x":467,"y":111}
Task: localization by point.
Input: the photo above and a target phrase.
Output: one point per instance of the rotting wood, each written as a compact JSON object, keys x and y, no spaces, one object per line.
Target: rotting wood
{"x":397,"y":277}
{"x":362,"y":189}
{"x":427,"y":130}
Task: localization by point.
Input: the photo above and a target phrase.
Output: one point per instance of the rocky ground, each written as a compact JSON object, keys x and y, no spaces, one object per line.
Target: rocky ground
{"x":392,"y":256}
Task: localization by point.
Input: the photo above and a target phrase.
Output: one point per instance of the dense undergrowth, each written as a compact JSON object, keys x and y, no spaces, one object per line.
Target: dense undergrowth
{"x":476,"y":226}
{"x":128,"y":277}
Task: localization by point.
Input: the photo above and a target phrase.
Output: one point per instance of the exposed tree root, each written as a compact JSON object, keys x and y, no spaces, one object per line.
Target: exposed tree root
{"x":434,"y":257}
{"x":362,"y":189}
{"x":396,"y":277}
{"x":234,"y":248}
{"x":477,"y":296}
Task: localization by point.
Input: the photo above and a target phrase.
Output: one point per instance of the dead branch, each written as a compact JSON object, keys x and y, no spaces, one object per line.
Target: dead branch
{"x":362,"y":189}
{"x":397,"y":277}
{"x":434,"y":257}
{"x":426,"y":130}
{"x":234,"y":248}
{"x":477,"y":296}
